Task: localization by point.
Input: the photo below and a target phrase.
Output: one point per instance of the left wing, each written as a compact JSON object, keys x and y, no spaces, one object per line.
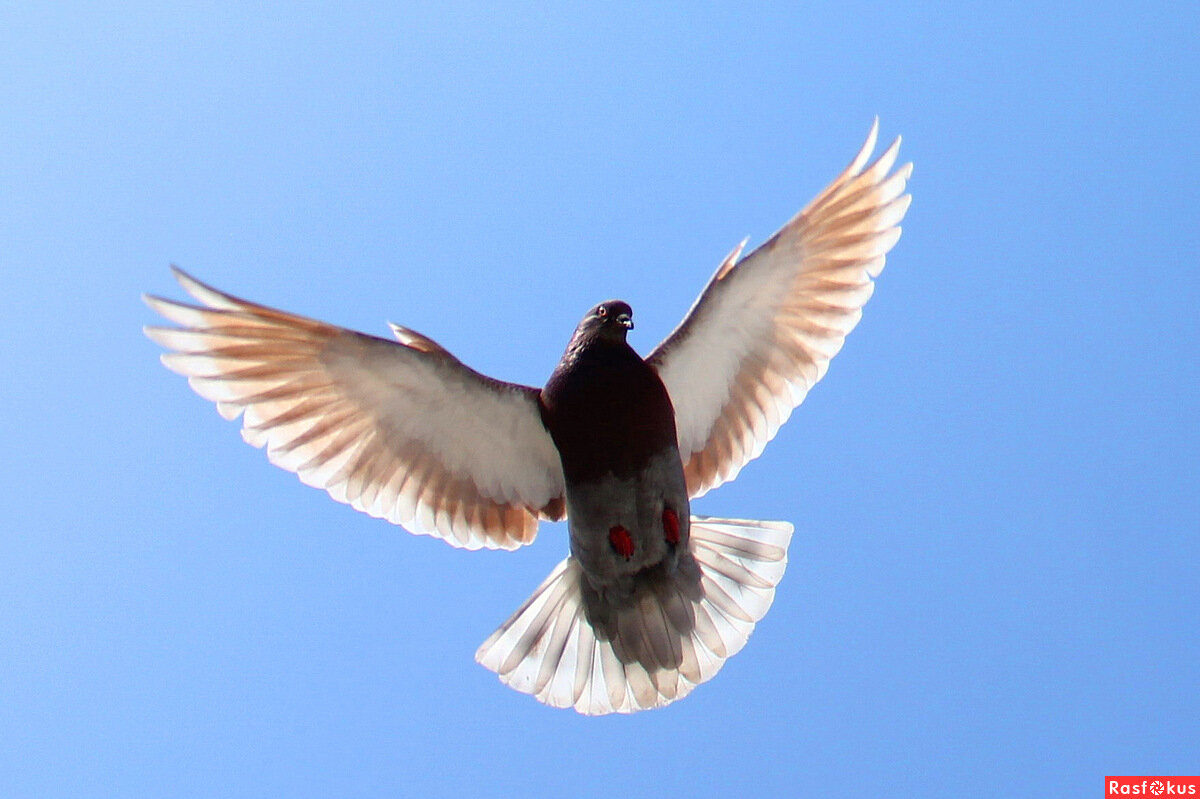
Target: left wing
{"x":763,"y":330}
{"x":400,"y":430}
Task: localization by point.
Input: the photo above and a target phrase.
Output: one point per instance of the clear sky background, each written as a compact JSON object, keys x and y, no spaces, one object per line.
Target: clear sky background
{"x":993,"y":586}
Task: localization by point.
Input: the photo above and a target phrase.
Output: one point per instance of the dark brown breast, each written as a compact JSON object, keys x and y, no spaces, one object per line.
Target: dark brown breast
{"x":607,"y":411}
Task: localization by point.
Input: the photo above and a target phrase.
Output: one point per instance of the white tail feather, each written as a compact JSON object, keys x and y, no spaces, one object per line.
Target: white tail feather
{"x":676,"y":633}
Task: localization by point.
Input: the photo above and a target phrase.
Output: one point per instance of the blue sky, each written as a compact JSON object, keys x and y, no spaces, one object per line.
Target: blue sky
{"x":996,"y":489}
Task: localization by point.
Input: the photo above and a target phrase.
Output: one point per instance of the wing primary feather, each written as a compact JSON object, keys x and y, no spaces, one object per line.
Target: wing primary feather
{"x":764,"y":329}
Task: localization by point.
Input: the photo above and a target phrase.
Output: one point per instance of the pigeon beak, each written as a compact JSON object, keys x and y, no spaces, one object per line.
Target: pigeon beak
{"x":625,"y":321}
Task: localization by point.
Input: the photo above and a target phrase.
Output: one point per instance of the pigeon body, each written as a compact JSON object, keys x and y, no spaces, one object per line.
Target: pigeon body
{"x":651,"y":601}
{"x":611,"y":419}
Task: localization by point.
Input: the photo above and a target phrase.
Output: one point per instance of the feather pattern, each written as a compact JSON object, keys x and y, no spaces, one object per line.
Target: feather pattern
{"x":674,"y":635}
{"x":402,"y":431}
{"x":764,"y":329}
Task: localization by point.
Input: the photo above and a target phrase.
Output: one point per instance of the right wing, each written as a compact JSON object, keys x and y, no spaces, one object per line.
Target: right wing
{"x":402,"y":431}
{"x":765,"y":327}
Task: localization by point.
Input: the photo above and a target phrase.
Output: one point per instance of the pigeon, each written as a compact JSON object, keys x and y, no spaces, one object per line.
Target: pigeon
{"x":651,"y":601}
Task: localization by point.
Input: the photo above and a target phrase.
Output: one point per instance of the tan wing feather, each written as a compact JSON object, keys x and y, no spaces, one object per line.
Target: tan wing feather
{"x":764,"y":329}
{"x":402,"y":431}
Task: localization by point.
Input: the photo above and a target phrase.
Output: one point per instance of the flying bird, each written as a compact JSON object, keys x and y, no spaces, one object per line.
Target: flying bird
{"x":651,"y":601}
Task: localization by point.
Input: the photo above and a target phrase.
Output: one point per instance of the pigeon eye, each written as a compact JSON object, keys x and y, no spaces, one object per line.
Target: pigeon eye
{"x":602,"y":312}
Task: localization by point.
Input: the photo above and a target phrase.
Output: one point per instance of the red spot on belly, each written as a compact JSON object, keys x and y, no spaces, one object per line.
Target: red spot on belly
{"x":622,"y":542}
{"x":671,"y":526}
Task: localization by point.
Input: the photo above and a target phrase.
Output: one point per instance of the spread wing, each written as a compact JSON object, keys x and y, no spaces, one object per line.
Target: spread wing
{"x":763,"y":330}
{"x":402,"y":431}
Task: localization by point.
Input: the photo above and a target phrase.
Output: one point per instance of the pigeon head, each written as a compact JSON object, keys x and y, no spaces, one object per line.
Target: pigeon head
{"x":610,"y":320}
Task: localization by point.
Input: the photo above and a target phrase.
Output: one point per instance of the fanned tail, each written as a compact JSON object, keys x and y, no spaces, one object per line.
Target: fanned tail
{"x":569,"y":647}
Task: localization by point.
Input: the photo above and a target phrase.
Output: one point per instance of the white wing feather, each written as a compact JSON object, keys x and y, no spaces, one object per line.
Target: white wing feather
{"x":764,"y":329}
{"x":402,"y":431}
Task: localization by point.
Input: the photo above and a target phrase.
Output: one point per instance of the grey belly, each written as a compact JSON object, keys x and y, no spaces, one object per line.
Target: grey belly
{"x":636,"y":503}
